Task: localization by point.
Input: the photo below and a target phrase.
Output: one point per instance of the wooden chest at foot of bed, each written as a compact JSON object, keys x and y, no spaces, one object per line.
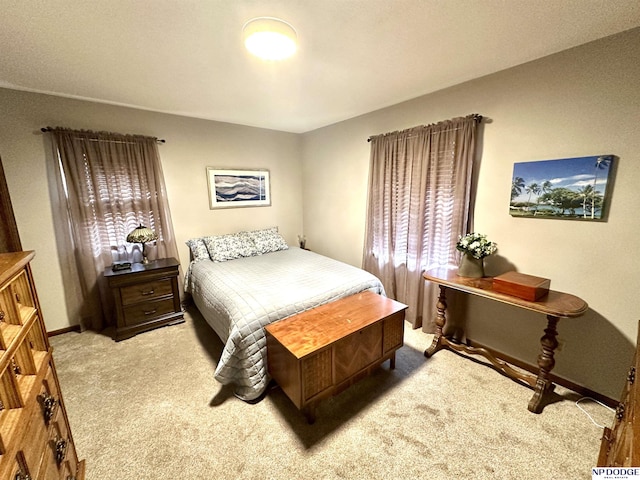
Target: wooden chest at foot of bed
{"x":320,"y":352}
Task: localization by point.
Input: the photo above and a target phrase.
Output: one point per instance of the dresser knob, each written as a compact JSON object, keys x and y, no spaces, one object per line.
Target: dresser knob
{"x":48,"y":407}
{"x":15,"y":367}
{"x":61,"y":450}
{"x":149,"y":292}
{"x":22,"y":476}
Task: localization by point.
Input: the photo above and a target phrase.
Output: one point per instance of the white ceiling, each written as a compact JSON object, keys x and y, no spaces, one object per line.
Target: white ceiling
{"x":186,"y":56}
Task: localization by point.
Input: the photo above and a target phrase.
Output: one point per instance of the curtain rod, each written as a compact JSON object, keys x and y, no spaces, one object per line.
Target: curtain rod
{"x":477,"y":117}
{"x":49,"y":129}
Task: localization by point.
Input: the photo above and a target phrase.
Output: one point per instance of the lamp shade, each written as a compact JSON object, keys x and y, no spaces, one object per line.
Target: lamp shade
{"x":141,"y":234}
{"x":269,"y":38}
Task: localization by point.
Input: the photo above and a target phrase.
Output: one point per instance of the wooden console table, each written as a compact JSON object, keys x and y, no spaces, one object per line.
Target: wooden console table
{"x":554,"y":305}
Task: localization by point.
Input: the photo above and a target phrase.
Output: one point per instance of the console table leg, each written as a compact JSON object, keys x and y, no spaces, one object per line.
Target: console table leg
{"x":546,"y":362}
{"x":441,"y":320}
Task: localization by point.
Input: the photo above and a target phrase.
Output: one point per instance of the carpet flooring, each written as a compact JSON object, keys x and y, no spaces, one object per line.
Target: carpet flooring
{"x":149,"y":408}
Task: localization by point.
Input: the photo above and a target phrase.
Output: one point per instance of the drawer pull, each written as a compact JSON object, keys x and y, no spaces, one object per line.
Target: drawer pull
{"x":61,"y":450}
{"x":15,"y":367}
{"x":1,"y":315}
{"x":620,"y":411}
{"x":150,"y":312}
{"x":631,"y":377}
{"x":49,"y":405}
{"x":22,"y":476}
{"x":148,"y":292}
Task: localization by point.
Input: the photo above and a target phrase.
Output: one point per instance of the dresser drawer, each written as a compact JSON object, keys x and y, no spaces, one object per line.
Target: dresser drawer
{"x":142,"y":312}
{"x":44,"y":414}
{"x":59,"y":460}
{"x":143,"y":292}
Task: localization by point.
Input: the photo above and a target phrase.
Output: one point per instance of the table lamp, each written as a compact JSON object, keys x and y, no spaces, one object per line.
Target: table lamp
{"x":141,"y":235}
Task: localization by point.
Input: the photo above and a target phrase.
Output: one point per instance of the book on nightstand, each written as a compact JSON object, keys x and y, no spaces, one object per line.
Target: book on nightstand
{"x":119,"y":266}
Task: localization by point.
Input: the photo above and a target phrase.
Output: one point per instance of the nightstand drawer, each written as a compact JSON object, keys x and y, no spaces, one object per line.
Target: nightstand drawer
{"x":143,"y":292}
{"x":141,"y":312}
{"x":146,"y":297}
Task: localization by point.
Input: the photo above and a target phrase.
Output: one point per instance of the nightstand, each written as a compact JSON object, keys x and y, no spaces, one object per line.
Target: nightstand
{"x":146,"y":297}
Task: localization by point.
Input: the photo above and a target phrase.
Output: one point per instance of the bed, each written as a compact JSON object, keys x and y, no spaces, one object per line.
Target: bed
{"x":238,"y":297}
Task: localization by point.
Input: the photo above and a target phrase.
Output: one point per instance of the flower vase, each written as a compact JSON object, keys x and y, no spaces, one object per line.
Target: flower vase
{"x":471,"y":267}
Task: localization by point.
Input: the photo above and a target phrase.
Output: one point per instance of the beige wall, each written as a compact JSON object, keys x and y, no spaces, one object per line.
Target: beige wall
{"x":191,"y":146}
{"x":580,"y":102}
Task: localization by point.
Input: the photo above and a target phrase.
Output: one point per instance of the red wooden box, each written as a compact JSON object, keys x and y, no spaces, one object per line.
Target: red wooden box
{"x":522,"y":286}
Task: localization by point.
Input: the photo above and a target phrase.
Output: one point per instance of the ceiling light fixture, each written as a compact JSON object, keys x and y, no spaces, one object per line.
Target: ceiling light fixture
{"x":269,"y":38}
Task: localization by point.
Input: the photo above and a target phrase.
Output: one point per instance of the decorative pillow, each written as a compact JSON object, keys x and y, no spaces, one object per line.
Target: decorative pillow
{"x":229,"y":247}
{"x":248,"y":245}
{"x":268,"y":240}
{"x":198,"y":249}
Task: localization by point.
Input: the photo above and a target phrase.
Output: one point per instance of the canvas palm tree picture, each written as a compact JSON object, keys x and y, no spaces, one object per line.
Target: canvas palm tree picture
{"x":569,"y":188}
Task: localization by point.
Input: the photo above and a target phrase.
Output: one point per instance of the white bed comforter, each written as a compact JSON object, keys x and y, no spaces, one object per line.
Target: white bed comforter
{"x":239,"y":297}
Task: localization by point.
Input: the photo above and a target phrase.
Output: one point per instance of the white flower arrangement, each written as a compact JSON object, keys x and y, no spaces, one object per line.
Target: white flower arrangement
{"x":476,"y":245}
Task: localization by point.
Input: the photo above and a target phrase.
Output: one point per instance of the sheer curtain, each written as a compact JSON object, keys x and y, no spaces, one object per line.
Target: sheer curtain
{"x":105,"y":185}
{"x":419,"y":202}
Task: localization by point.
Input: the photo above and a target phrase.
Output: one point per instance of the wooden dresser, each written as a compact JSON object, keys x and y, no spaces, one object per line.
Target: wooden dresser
{"x":146,"y":296}
{"x":320,"y":352}
{"x":35,"y":439}
{"x":620,"y":445}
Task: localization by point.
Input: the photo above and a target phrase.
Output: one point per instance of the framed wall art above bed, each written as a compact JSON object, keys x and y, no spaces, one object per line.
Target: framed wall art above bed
{"x":238,"y":188}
